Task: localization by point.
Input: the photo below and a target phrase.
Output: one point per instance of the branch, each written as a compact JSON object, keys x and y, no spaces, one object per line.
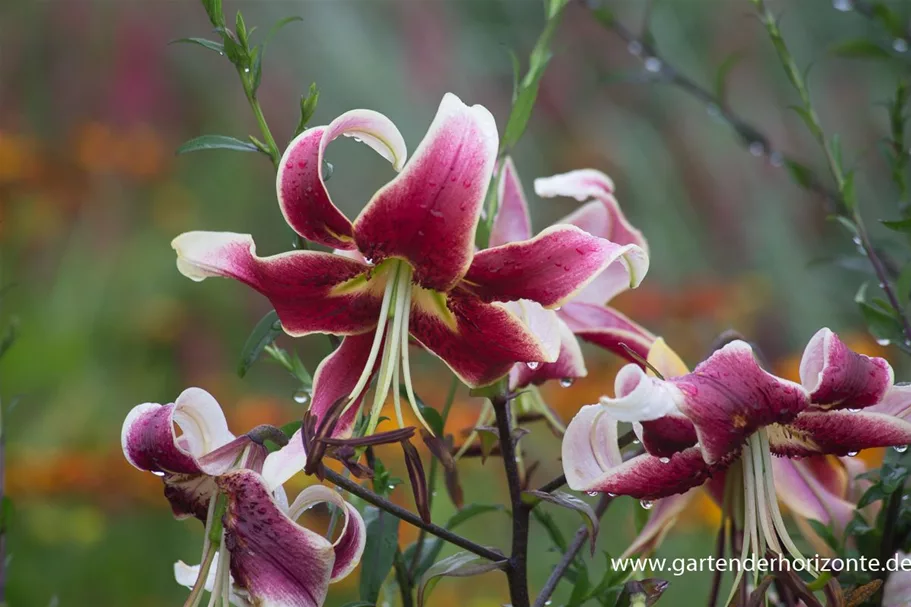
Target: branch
{"x":517,"y":566}
{"x":570,"y":555}
{"x":412,"y":519}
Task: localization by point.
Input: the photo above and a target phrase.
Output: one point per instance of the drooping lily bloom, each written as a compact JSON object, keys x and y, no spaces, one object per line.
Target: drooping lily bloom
{"x":729,"y":410}
{"x":263,"y":557}
{"x":586,"y":315}
{"x":406,"y":265}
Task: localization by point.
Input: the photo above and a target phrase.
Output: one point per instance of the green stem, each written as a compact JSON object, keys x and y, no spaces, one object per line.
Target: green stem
{"x":402,"y":577}
{"x":274,"y":153}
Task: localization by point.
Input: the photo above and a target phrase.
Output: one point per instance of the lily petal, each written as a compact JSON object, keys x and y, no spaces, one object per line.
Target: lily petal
{"x":640,"y":397}
{"x":278,"y":562}
{"x":897,"y":589}
{"x":589,"y":184}
{"x":836,"y":377}
{"x":351,"y":541}
{"x":312,"y":292}
{"x":551,"y":267}
{"x":302,"y":194}
{"x":186,"y":575}
{"x":150,"y":441}
{"x":838,"y":433}
{"x":590,"y":447}
{"x":897,"y":402}
{"x":664,"y":515}
{"x":479,"y":341}
{"x":729,"y":396}
{"x":429,"y":213}
{"x":336,"y":377}
{"x":607,"y":328}
{"x":667,"y":435}
{"x":799,"y":487}
{"x":283,"y":464}
{"x":513,"y":222}
{"x":570,"y":363}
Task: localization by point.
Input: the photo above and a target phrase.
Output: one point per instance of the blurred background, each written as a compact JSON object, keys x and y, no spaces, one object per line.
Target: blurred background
{"x":93,"y":103}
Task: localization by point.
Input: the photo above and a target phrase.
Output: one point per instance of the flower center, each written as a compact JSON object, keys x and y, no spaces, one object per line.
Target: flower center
{"x":392,"y":336}
{"x":763,"y":525}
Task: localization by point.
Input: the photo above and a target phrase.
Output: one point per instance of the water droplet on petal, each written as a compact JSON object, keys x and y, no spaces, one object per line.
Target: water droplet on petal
{"x":277,"y":325}
{"x":843,"y":5}
{"x":883,"y":342}
{"x":647,"y":504}
{"x":532,"y":365}
{"x":157,"y":472}
{"x":757,"y":148}
{"x":609,"y":494}
{"x":566,"y":382}
{"x":853,"y":410}
{"x":301,"y":397}
{"x":634,"y":48}
{"x":592,"y":493}
{"x":653,"y":65}
{"x":664,"y":460}
{"x":852,"y":453}
{"x":635,"y":441}
{"x":900,"y":45}
{"x":900,"y":448}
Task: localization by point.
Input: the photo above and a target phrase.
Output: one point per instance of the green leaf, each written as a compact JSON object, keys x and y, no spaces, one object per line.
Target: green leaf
{"x":612,"y":579}
{"x":216,"y":142}
{"x":565,"y":500}
{"x":299,"y":371}
{"x":267,"y":329}
{"x":520,"y":114}
{"x":212,"y":45}
{"x":215,"y":12}
{"x":580,"y":589}
{"x":290,"y":428}
{"x":800,"y":173}
{"x":898,"y":225}
{"x":379,"y":552}
{"x":550,"y":526}
{"x":461,"y":564}
{"x":722,"y":75}
{"x":308,"y":107}
{"x":882,"y":324}
{"x":890,"y":20}
{"x":903,"y":284}
{"x":260,"y":50}
{"x":10,"y":334}
{"x":873,"y":494}
{"x":240,"y":29}
{"x":860,"y":49}
{"x":893,"y":477}
{"x":825,"y":532}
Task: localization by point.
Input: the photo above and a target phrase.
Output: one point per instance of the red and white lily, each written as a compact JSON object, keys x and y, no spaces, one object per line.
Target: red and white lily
{"x":587,"y":314}
{"x":264,"y":557}
{"x":406,"y":265}
{"x":730,"y":410}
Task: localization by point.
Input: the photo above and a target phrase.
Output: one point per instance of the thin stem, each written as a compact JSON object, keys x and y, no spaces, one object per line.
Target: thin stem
{"x":432,"y":478}
{"x":887,"y":547}
{"x":517,"y":567}
{"x":847,"y":205}
{"x":412,"y":519}
{"x":553,"y":485}
{"x":719,"y":554}
{"x":274,"y":153}
{"x":570,"y":555}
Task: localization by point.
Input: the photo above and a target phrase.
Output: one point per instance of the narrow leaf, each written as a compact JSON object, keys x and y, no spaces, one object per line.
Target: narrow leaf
{"x":379,"y":553}
{"x":722,"y":75}
{"x":461,"y":564}
{"x":308,"y":107}
{"x":212,"y":45}
{"x":9,"y":336}
{"x":860,"y":49}
{"x":565,"y":500}
{"x":216,"y":142}
{"x":265,"y":332}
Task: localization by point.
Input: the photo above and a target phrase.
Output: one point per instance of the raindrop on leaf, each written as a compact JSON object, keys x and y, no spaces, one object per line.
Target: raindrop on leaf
{"x":301,"y":397}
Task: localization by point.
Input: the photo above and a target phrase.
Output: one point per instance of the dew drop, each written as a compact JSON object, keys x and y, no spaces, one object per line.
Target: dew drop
{"x":852,"y":453}
{"x":664,"y":460}
{"x":776,"y":159}
{"x":900,"y":448}
{"x":277,"y":325}
{"x":757,"y":149}
{"x":634,"y":48}
{"x":532,"y":365}
{"x":391,"y":487}
{"x":843,"y":5}
{"x":609,"y":494}
{"x":548,"y":602}
{"x":592,"y":493}
{"x":900,"y":45}
{"x":246,"y":70}
{"x":635,"y":441}
{"x":853,"y":410}
{"x":157,"y":472}
{"x":883,"y":342}
{"x":566,"y":382}
{"x":301,"y":397}
{"x":653,"y":65}
{"x":647,"y":504}
{"x":713,"y":110}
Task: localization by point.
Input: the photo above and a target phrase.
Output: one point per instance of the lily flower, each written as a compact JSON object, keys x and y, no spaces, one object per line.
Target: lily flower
{"x":406,"y":266}
{"x":730,"y":411}
{"x":262,"y":556}
{"x":586,"y":315}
